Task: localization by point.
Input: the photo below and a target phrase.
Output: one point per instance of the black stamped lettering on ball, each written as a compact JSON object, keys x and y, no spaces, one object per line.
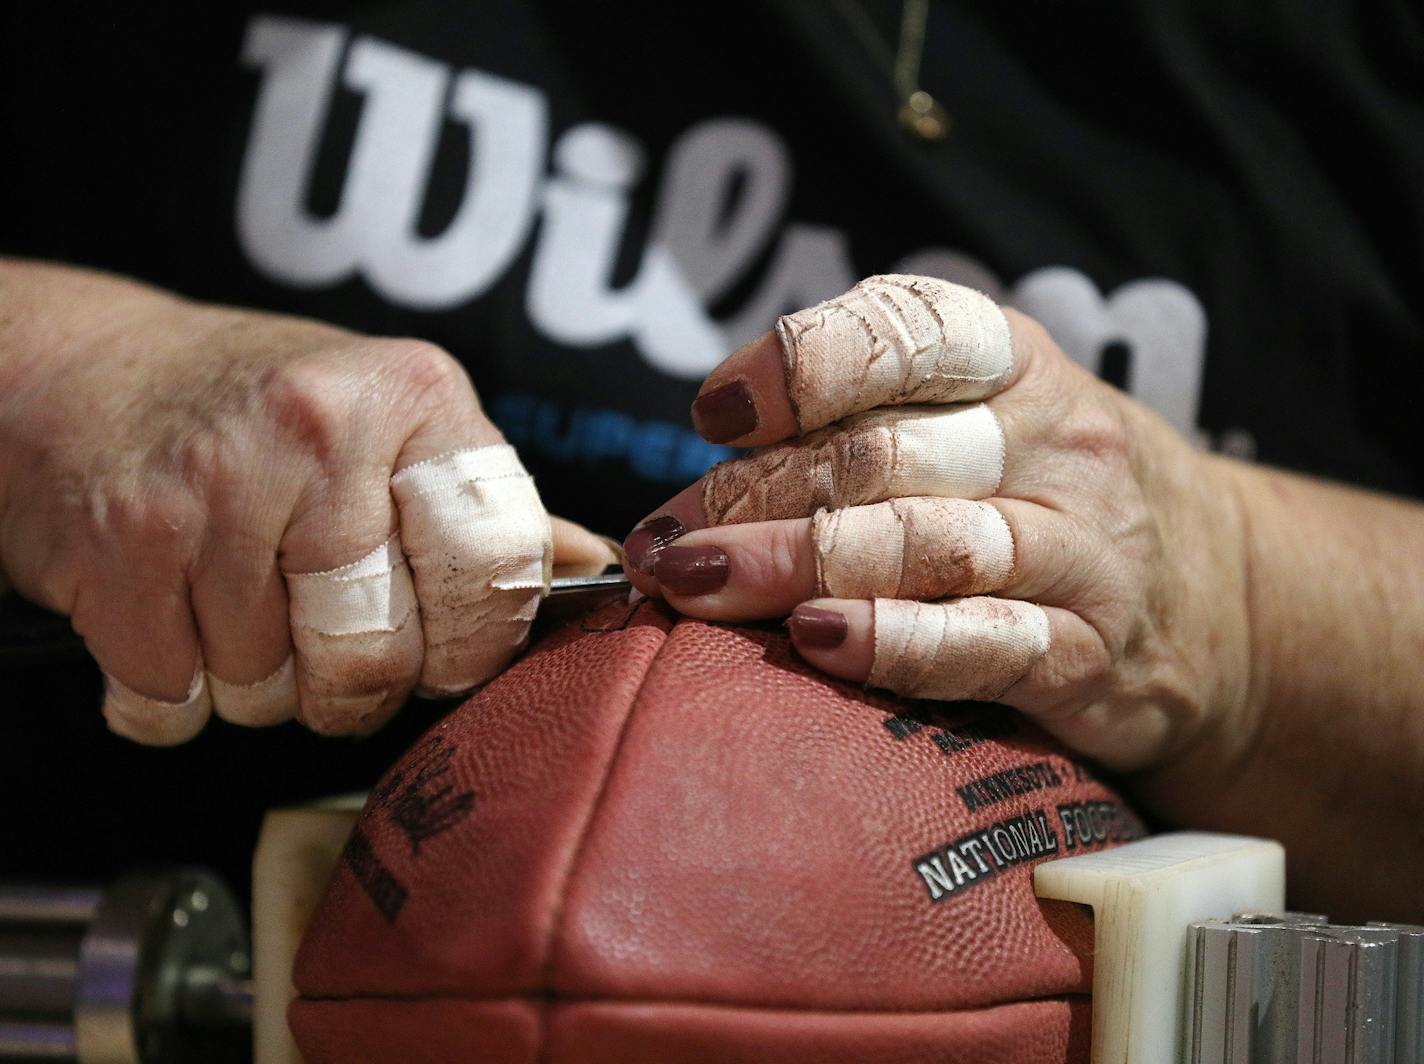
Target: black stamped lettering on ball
{"x":387,"y":893}
{"x":415,"y":799}
{"x":947,"y":726}
{"x":1001,"y":786}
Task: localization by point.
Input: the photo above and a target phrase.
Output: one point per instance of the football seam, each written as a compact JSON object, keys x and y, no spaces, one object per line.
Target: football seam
{"x":549,"y":999}
{"x":571,"y":869}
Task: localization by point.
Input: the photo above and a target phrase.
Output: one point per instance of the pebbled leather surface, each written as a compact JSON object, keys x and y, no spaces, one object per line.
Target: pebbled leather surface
{"x":1029,"y":1032}
{"x":427,"y":1030}
{"x":452,"y":1031}
{"x":480,"y":897}
{"x":673,"y":841}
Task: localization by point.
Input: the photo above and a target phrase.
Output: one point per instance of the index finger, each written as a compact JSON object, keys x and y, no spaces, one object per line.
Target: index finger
{"x":891,"y":340}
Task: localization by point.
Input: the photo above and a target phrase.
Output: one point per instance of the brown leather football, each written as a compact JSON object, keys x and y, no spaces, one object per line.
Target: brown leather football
{"x":662,"y":840}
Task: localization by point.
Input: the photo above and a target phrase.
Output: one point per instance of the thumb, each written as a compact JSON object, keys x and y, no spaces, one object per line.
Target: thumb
{"x":579,"y":552}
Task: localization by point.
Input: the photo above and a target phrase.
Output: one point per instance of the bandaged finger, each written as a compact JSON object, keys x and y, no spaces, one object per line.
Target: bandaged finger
{"x":357,"y":635}
{"x":152,"y":720}
{"x":893,"y":339}
{"x":479,"y":545}
{"x":955,"y":452}
{"x":257,"y":705}
{"x":971,"y":648}
{"x":915,"y":548}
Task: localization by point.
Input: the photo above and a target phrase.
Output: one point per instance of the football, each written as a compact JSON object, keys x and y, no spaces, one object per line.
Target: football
{"x":657,"y":839}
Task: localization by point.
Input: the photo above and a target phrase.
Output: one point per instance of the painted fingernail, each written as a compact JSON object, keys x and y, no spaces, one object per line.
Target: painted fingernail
{"x":812,"y":626}
{"x":691,"y":570}
{"x":644,"y":542}
{"x":724,"y":413}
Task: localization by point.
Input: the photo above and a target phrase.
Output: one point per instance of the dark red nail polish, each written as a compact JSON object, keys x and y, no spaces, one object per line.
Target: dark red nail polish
{"x":691,"y":570}
{"x":724,"y":413}
{"x":812,"y":626}
{"x":644,"y":542}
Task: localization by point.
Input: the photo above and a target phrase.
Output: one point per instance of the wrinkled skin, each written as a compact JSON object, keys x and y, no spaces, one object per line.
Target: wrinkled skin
{"x":165,"y":462}
{"x":1247,"y":645}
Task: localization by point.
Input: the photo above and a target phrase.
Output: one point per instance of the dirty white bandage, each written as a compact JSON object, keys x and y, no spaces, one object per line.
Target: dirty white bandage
{"x":971,"y":648}
{"x":956,"y":452}
{"x":257,"y":705}
{"x":891,"y":340}
{"x":153,"y":721}
{"x":357,"y":635}
{"x":479,"y":544}
{"x":918,"y":548}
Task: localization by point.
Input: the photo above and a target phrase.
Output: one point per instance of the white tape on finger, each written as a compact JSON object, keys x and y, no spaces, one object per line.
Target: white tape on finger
{"x":261,"y":704}
{"x":954,"y":452}
{"x":890,"y":340}
{"x":971,"y":648}
{"x":357,"y":636}
{"x":151,"y":720}
{"x":917,"y":548}
{"x":479,"y":544}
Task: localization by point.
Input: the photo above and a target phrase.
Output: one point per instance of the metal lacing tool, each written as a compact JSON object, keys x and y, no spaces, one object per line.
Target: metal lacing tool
{"x":30,"y":635}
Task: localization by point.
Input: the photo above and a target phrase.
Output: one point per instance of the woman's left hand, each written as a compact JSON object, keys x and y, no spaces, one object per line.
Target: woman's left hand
{"x":949,"y":507}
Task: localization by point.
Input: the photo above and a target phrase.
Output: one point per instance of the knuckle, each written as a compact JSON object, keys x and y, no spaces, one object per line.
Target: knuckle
{"x":842,"y":465}
{"x":153,"y":523}
{"x":1082,"y":671}
{"x":212,"y":462}
{"x":370,"y":686}
{"x":424,"y":369}
{"x":735,"y":490}
{"x":332,"y":723}
{"x":866,"y":442}
{"x":1096,"y":429}
{"x":310,"y":404}
{"x":199,"y":459}
{"x":864,"y":446}
{"x":957,"y":570}
{"x":784,"y":551}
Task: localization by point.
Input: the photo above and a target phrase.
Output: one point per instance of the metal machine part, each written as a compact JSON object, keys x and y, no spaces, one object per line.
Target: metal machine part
{"x":153,"y":970}
{"x":1292,"y":988}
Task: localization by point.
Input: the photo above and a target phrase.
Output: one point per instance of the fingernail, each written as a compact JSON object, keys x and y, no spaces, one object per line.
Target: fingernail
{"x":812,"y":626}
{"x":644,"y":542}
{"x":724,"y":413}
{"x":691,"y":570}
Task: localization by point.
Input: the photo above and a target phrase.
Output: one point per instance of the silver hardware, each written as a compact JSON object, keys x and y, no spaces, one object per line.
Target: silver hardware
{"x":152,"y":970}
{"x":1291,"y":988}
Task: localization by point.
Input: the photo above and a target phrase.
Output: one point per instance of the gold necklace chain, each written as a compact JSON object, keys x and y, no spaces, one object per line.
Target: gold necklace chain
{"x":920,"y":113}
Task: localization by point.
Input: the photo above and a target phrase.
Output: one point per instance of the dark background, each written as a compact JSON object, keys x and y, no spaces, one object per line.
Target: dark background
{"x":1268,"y":156}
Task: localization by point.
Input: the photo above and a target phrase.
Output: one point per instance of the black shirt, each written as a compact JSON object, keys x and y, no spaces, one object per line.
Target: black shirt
{"x":1216,"y":205}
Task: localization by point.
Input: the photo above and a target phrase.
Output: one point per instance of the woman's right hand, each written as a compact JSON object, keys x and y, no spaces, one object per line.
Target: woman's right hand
{"x":268,"y":515}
